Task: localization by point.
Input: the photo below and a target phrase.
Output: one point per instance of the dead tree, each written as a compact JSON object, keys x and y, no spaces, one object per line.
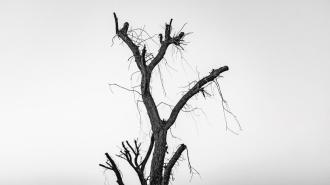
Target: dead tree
{"x":160,"y":172}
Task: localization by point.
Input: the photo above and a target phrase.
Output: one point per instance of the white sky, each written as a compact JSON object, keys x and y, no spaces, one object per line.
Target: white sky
{"x":58,"y":116}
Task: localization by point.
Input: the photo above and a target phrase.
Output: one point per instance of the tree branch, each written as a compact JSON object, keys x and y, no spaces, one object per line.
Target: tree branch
{"x":146,"y":73}
{"x":171,"y":163}
{"x":127,"y":89}
{"x":149,"y":101}
{"x":131,"y":154}
{"x":146,"y":70}
{"x":145,"y":83}
{"x":191,"y":92}
{"x":145,"y":160}
{"x":122,"y":33}
{"x":176,"y":39}
{"x":112,"y":166}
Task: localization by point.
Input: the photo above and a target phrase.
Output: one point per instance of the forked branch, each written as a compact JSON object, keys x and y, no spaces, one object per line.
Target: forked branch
{"x":176,"y":40}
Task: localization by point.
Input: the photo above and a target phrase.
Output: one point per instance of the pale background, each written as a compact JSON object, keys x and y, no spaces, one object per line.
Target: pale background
{"x":58,"y":115}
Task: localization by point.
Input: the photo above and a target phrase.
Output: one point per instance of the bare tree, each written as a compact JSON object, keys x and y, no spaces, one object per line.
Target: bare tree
{"x":160,"y":171}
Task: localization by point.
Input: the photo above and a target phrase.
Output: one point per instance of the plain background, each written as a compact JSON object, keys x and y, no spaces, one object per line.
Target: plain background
{"x":58,"y":116}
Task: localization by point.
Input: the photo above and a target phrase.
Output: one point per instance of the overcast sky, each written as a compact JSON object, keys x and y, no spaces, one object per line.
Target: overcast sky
{"x":58,"y":116}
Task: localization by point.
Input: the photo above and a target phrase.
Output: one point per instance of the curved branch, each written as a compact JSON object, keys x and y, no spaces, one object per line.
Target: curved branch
{"x":171,"y":163}
{"x":194,"y":90}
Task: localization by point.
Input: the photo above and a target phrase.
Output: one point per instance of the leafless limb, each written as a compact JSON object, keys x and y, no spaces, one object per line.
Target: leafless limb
{"x":165,"y":42}
{"x":187,"y":108}
{"x":164,"y":103}
{"x":168,"y":65}
{"x":191,"y":92}
{"x":189,"y":84}
{"x":134,"y":73}
{"x":144,"y":31}
{"x":175,"y":137}
{"x":171,"y":163}
{"x":161,"y":80}
{"x":112,"y":40}
{"x":145,"y":71}
{"x":132,"y":154}
{"x":127,"y":89}
{"x":225,"y":108}
{"x":192,"y":170}
{"x":130,"y":60}
{"x":111,"y":165}
{"x":122,"y":33}
{"x":145,"y":160}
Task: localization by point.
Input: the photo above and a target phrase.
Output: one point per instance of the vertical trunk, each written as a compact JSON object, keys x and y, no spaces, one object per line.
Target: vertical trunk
{"x":157,"y":162}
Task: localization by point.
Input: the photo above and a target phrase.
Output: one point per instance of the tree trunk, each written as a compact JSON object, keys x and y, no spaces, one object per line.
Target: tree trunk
{"x":157,"y":162}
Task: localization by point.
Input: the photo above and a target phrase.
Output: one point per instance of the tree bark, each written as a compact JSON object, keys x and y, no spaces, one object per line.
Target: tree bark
{"x":157,"y":162}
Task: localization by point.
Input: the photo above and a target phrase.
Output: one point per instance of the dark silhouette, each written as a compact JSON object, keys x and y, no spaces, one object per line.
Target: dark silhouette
{"x":160,"y":171}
